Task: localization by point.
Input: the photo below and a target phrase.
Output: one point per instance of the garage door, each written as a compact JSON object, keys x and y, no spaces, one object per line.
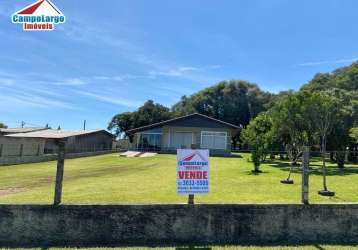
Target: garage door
{"x":182,"y":139}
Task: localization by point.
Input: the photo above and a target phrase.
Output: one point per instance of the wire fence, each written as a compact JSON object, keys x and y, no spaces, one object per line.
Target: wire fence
{"x":115,"y":179}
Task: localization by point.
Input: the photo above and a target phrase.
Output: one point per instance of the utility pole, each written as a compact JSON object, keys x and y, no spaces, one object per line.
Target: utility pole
{"x":84,"y":125}
{"x":22,"y":124}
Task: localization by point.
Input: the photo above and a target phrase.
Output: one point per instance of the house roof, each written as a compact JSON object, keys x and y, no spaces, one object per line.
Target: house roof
{"x":19,"y":130}
{"x":174,"y":120}
{"x":57,"y":134}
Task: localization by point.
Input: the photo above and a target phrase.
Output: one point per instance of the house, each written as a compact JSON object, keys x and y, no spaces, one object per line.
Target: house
{"x":194,"y":130}
{"x":77,"y":141}
{"x":21,"y":147}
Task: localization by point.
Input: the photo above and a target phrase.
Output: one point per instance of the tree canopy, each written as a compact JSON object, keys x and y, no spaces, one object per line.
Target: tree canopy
{"x":147,"y":114}
{"x":323,"y":112}
{"x":233,"y":101}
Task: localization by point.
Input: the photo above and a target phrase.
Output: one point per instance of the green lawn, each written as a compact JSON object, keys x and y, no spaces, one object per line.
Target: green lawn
{"x":113,"y":179}
{"x":303,"y":247}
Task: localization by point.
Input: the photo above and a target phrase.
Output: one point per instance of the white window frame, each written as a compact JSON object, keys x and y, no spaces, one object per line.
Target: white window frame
{"x":214,"y":132}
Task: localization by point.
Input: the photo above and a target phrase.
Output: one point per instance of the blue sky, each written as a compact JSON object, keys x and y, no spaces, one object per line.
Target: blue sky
{"x":111,"y":56}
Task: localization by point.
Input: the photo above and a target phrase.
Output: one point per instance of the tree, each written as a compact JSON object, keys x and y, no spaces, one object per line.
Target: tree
{"x":324,"y":111}
{"x":290,"y":125}
{"x":234,"y":101}
{"x":338,"y":140}
{"x":121,"y":123}
{"x":343,"y":83}
{"x":147,"y":114}
{"x":150,"y":113}
{"x":2,"y":125}
{"x":259,"y":137}
{"x":344,"y":78}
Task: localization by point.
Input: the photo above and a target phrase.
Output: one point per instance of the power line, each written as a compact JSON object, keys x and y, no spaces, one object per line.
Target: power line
{"x":21,"y":123}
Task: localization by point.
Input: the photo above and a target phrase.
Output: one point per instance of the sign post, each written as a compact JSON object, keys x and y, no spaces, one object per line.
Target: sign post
{"x":193,"y":175}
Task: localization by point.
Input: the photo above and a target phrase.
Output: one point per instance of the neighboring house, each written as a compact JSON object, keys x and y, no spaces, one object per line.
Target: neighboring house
{"x":20,"y":147}
{"x":8,"y":131}
{"x":77,"y":141}
{"x":195,"y":130}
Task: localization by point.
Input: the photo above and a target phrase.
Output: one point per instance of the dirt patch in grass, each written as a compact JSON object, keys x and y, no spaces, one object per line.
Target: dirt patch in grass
{"x":46,"y":180}
{"x":11,"y":190}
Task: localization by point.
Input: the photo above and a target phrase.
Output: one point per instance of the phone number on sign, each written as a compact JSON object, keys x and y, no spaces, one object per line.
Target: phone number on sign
{"x":193,"y":182}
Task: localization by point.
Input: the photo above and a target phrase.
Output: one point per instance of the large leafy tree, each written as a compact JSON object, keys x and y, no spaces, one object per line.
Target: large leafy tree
{"x":121,"y":122}
{"x":147,"y":114}
{"x":338,"y":140}
{"x":234,"y":101}
{"x":2,"y":125}
{"x":343,"y":84}
{"x":290,"y":125}
{"x":150,"y":113}
{"x":345,"y":78}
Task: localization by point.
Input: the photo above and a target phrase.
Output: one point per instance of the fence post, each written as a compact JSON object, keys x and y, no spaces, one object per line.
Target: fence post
{"x":60,"y":169}
{"x":191,"y":196}
{"x":305,"y":174}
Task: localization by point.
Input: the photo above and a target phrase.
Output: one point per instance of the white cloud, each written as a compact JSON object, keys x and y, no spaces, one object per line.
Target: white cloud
{"x":118,"y":78}
{"x":183,"y":69}
{"x":71,"y":82}
{"x":32,"y":100}
{"x":178,"y":71}
{"x":111,"y":99}
{"x":124,"y":46}
{"x":314,"y":63}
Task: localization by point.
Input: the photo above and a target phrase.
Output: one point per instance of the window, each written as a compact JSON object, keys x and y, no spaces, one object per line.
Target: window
{"x":182,"y":139}
{"x":213,"y":140}
{"x":150,"y":141}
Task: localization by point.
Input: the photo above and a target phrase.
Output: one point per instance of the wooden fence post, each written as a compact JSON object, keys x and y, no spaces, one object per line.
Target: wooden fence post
{"x":305,"y":174}
{"x":60,"y":169}
{"x":191,"y":196}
